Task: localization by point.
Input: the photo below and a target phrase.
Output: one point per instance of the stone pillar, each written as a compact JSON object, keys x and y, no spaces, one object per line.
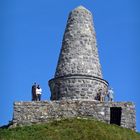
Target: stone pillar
{"x":78,"y":74}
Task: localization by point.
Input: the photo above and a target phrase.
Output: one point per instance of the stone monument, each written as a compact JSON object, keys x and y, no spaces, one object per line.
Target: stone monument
{"x":78,"y":74}
{"x":77,"y":80}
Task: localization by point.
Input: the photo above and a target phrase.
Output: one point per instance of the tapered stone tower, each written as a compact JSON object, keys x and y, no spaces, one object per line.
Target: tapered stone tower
{"x":78,"y":74}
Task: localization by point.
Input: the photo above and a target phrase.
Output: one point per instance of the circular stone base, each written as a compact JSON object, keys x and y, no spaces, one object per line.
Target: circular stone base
{"x":76,"y":87}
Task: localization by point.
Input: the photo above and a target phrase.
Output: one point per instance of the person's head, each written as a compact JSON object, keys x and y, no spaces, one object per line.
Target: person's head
{"x":38,"y":86}
{"x":100,"y":90}
{"x":109,"y":88}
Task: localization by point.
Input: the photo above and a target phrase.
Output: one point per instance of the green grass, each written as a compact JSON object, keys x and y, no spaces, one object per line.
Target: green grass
{"x":69,"y":129}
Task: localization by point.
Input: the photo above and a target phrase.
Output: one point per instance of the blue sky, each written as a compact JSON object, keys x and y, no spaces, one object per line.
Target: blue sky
{"x":31,"y":33}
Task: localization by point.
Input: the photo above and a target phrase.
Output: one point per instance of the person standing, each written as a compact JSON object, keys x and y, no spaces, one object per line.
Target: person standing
{"x":98,"y":96}
{"x":110,"y":94}
{"x":38,"y":93}
{"x":102,"y":94}
{"x":34,"y":86}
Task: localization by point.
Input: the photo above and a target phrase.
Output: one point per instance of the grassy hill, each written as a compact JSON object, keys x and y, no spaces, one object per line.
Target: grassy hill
{"x":69,"y":129}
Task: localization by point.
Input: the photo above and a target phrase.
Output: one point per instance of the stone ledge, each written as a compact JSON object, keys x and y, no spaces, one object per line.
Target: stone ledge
{"x":26,"y":113}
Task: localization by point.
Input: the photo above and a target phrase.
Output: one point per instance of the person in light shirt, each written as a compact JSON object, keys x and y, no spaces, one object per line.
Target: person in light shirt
{"x":38,"y":92}
{"x":110,"y":94}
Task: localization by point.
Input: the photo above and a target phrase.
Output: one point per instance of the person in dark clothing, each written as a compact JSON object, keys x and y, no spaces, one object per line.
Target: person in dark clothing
{"x":98,"y":97}
{"x":34,"y":97}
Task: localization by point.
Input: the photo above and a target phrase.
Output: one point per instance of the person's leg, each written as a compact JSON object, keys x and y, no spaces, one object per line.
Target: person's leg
{"x":102,"y":98}
{"x":108,"y":98}
{"x":39,"y":97}
{"x":35,"y":97}
{"x":99,"y":98}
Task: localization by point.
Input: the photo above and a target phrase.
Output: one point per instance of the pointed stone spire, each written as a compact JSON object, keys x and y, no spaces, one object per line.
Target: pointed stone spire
{"x":78,"y":67}
{"x":79,"y":54}
{"x":81,"y":8}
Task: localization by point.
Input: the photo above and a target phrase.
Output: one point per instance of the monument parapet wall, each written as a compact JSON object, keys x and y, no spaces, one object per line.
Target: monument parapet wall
{"x":27,"y":113}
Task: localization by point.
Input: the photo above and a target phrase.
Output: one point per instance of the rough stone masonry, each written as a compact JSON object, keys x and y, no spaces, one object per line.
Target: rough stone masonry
{"x":78,"y":74}
{"x":77,"y":79}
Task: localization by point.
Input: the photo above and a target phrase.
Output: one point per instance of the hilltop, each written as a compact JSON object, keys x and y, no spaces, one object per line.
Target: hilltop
{"x":69,"y":129}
